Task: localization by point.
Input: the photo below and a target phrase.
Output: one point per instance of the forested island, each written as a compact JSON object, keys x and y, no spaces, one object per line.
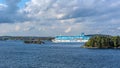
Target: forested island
{"x":103,"y":41}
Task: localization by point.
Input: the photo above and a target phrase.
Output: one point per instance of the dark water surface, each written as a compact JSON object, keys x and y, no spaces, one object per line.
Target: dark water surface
{"x":20,"y":55}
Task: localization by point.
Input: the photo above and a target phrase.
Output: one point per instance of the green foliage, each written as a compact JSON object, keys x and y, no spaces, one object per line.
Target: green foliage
{"x":103,"y":41}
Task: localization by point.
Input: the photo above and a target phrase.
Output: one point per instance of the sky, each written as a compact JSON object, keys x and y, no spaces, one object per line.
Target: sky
{"x":59,"y":17}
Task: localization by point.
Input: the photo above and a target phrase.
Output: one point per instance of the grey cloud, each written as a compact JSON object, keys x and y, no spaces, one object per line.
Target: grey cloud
{"x":11,"y":14}
{"x":80,"y":13}
{"x":12,"y":6}
{"x":95,"y":9}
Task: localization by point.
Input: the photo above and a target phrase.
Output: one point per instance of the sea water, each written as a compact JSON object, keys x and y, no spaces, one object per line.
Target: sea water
{"x":16,"y":54}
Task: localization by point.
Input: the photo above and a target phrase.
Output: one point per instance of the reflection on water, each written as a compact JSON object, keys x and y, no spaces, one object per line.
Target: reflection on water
{"x":16,"y":54}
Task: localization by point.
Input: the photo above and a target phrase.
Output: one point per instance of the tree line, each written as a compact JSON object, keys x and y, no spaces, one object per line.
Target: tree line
{"x":103,"y":41}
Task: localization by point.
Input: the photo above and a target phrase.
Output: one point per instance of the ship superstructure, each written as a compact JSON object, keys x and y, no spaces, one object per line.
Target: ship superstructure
{"x":79,"y":38}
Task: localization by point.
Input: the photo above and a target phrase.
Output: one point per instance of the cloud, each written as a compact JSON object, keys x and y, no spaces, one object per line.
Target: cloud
{"x":68,"y":30}
{"x":12,"y":6}
{"x":17,"y":28}
{"x":54,"y":17}
{"x":10,"y":12}
{"x":55,"y":9}
{"x":2,"y":6}
{"x":118,"y":28}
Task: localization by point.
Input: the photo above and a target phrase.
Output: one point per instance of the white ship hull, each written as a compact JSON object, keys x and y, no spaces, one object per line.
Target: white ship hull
{"x":69,"y":41}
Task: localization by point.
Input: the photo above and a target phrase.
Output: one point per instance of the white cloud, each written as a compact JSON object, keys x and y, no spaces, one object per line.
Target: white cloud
{"x":17,"y":28}
{"x":2,"y":6}
{"x":68,"y":30}
{"x":59,"y":16}
{"x":26,"y":29}
{"x":118,"y":28}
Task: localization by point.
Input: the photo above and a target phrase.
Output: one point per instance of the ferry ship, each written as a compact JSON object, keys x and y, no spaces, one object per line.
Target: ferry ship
{"x":68,"y":39}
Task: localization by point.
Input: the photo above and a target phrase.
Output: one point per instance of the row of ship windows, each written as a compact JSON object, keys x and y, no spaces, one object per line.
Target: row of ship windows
{"x":73,"y":38}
